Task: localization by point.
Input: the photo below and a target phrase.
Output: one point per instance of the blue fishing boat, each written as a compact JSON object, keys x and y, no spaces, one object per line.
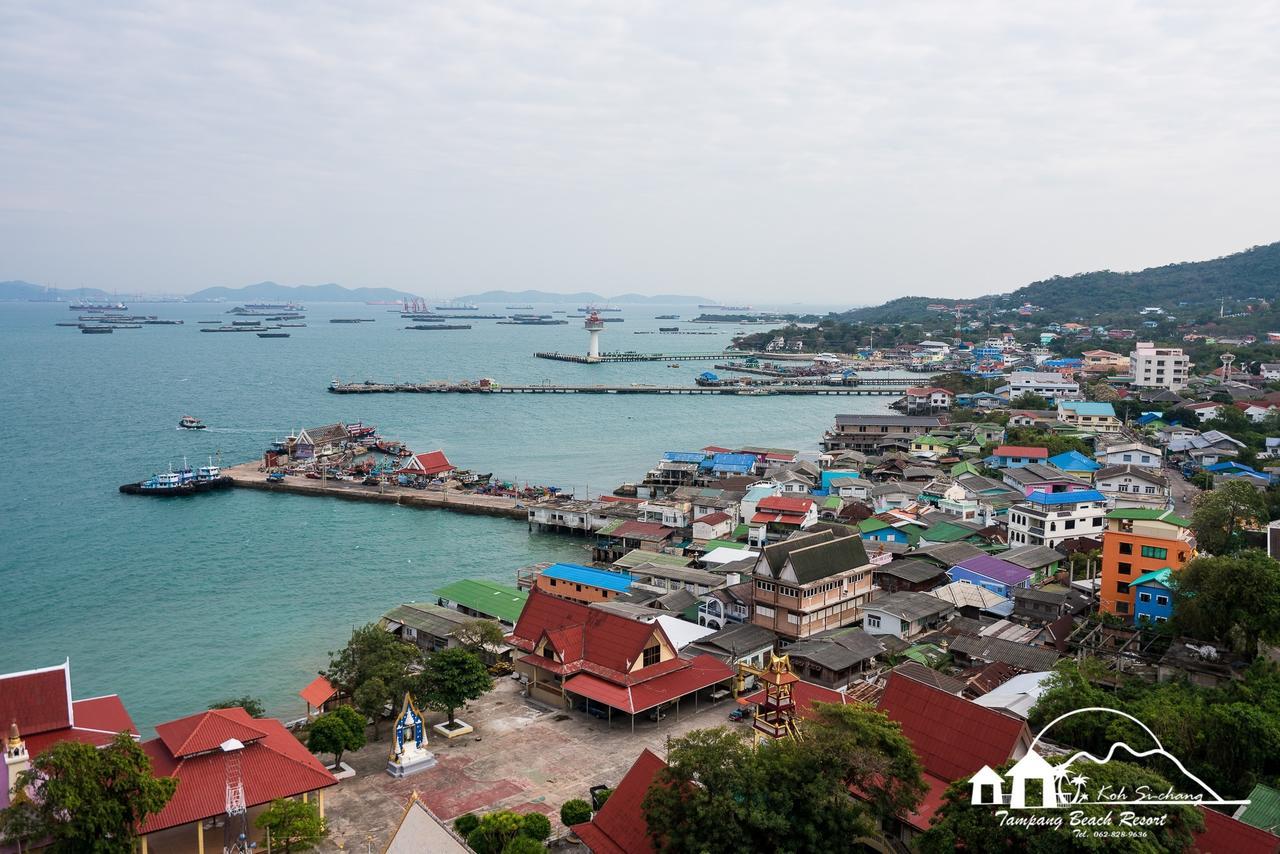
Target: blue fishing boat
{"x":181,"y":482}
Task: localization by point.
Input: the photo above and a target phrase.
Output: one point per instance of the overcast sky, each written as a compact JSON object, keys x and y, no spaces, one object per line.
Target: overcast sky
{"x":822,"y":152}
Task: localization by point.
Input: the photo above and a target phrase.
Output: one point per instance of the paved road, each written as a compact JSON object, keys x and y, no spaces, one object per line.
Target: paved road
{"x":1182,"y":491}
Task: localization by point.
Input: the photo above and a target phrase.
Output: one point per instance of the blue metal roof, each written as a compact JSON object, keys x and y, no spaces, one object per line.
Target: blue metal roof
{"x":1073,"y":461}
{"x":1059,"y":498}
{"x":572,"y":572}
{"x":1088,"y":407}
{"x":684,"y":456}
{"x":733,"y":462}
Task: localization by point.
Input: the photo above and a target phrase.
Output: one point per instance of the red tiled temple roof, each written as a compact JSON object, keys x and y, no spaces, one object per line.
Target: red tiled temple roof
{"x":619,"y":827}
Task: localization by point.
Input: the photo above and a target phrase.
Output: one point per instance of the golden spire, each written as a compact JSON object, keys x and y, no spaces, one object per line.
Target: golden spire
{"x":15,"y":738}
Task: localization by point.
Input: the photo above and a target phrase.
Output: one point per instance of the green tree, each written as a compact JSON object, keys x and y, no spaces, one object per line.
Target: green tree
{"x":480,"y":635}
{"x":1233,"y":600}
{"x":293,"y":825}
{"x":1219,"y":516}
{"x":371,"y":699}
{"x":574,"y":811}
{"x":452,"y":677}
{"x":963,"y":826}
{"x":524,"y":845}
{"x":1066,"y":690}
{"x":466,"y":823}
{"x":495,"y":831}
{"x":535,"y":825}
{"x":1029,"y":400}
{"x":337,"y":732}
{"x":252,"y":705}
{"x":85,"y":799}
{"x":372,"y":652}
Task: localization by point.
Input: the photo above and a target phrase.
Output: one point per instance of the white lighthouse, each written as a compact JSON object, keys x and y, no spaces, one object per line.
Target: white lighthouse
{"x":594,"y":325}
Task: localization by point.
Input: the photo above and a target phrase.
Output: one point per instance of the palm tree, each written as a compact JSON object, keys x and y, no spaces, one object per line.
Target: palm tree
{"x":1078,"y":781}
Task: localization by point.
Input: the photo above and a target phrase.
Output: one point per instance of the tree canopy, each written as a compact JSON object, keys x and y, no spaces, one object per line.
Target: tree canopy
{"x":1220,"y":514}
{"x":294,"y":825}
{"x":337,"y":732}
{"x":86,"y":799}
{"x":450,"y":678}
{"x":1232,"y":600}
{"x":372,"y":652}
{"x":480,"y":635}
{"x":252,"y":705}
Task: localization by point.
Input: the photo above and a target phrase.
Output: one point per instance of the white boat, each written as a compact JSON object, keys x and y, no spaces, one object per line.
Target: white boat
{"x":191,"y":423}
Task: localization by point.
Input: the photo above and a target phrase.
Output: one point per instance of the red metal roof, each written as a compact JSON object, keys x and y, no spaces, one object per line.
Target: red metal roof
{"x":683,"y":676}
{"x":952,"y":736}
{"x":714,"y":518}
{"x":276,"y":765}
{"x":619,"y":827}
{"x":1225,"y":835}
{"x":642,"y":530}
{"x":1021,"y":451}
{"x":318,"y":692}
{"x":925,"y":391}
{"x":204,"y":731}
{"x":38,"y":700}
{"x":586,"y":638}
{"x":98,"y":721}
{"x":785,"y":504}
{"x":430,"y":463}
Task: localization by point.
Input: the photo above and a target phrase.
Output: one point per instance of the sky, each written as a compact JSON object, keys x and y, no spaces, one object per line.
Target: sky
{"x":823,"y":152}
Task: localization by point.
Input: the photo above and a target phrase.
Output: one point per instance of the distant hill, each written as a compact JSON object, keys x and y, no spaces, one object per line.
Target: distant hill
{"x":315,"y":293}
{"x":19,"y":290}
{"x":1190,"y":285}
{"x":580,"y":297}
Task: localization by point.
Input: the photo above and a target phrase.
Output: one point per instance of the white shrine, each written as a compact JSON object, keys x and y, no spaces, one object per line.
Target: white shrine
{"x":409,"y":753}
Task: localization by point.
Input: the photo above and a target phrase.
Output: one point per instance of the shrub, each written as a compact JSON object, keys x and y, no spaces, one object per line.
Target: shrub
{"x":524,"y":845}
{"x":574,"y":812}
{"x":602,"y":797}
{"x":536,"y":826}
{"x":466,"y":823}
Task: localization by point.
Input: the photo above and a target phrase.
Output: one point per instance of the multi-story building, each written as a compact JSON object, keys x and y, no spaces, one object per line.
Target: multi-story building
{"x":1089,"y":415}
{"x":866,"y":433}
{"x":1138,"y":541}
{"x":1048,"y":518}
{"x":810,"y":583}
{"x":1050,"y":386}
{"x":1134,"y":486}
{"x":1159,"y":367}
{"x":1102,"y":361}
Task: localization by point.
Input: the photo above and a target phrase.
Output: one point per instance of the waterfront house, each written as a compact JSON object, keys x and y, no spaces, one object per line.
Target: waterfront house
{"x":905,"y":614}
{"x":1075,"y":464}
{"x":994,"y":574}
{"x":1089,"y":416}
{"x":195,"y":752}
{"x":810,"y":583}
{"x":752,"y":498}
{"x":562,"y":515}
{"x":596,"y":660}
{"x":582,"y":583}
{"x":39,"y":704}
{"x":428,"y":626}
{"x":928,"y":399}
{"x":1138,"y":541}
{"x":484,"y":599}
{"x":836,"y":658}
{"x":623,"y":535}
{"x":1134,"y":486}
{"x":908,"y":574}
{"x":865,"y":433}
{"x":671,"y":512}
{"x":1048,"y":518}
{"x":778,"y":516}
{"x":1131,"y":454}
{"x":431,"y":464}
{"x":1015,"y":456}
{"x":1153,"y":596}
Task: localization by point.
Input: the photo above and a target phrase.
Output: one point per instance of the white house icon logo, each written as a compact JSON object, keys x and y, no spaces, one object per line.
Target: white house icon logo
{"x":1035,"y":783}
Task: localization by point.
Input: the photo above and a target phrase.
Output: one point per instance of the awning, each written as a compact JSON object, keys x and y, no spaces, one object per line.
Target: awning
{"x":702,"y":671}
{"x":318,"y":692}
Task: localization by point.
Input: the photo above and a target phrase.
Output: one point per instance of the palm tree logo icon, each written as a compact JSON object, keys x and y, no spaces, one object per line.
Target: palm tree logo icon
{"x":1078,"y":781}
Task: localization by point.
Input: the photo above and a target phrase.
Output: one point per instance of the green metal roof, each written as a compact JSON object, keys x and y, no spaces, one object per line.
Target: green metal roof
{"x":724,"y":544}
{"x":945,"y":532}
{"x":965,"y":467}
{"x":1160,"y":576}
{"x":486,"y":597}
{"x":1263,"y":810}
{"x":870,"y":524}
{"x":1148,"y":514}
{"x":833,"y":502}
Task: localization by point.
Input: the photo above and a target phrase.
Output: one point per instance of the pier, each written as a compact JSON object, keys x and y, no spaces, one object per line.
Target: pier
{"x":631,"y":356}
{"x":248,"y":476}
{"x":759,"y":390}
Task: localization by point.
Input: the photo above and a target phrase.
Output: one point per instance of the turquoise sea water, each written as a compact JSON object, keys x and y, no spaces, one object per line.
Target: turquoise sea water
{"x":175,"y":604}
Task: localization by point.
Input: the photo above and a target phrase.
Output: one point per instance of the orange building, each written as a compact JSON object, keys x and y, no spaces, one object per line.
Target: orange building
{"x":583,"y":584}
{"x":1139,"y":540}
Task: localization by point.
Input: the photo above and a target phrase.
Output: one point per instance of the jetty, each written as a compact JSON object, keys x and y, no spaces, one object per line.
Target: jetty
{"x":882,"y":387}
{"x":249,"y":476}
{"x":632,"y":356}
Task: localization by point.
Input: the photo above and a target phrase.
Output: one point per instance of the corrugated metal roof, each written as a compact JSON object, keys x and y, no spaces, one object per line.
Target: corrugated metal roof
{"x":575,"y":574}
{"x":486,"y":597}
{"x":38,"y":700}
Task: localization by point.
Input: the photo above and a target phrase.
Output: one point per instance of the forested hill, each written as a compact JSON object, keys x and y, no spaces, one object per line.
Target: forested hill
{"x":1253,"y":273}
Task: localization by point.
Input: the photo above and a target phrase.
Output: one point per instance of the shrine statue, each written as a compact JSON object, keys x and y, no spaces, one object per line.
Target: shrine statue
{"x":409,"y":752}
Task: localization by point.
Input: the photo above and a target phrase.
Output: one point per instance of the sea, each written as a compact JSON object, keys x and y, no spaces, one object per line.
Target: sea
{"x":175,"y":604}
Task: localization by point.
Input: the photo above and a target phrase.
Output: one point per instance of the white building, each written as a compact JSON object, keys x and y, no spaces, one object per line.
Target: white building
{"x":1133,"y":486}
{"x":1048,"y":385}
{"x":1130,"y":454}
{"x":1048,"y":518}
{"x":1159,"y":367}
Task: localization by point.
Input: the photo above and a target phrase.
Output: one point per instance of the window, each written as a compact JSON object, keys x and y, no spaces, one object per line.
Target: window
{"x":1161,"y":619}
{"x":1144,"y":597}
{"x":793,"y":618}
{"x":1070,"y":524}
{"x":1122,"y":587}
{"x":873,"y":620}
{"x":1153,"y":551}
{"x":1124,"y":568}
{"x":1122,"y":607}
{"x":1126,"y":548}
{"x":652,"y":654}
{"x":764,"y":612}
{"x":1162,"y":600}
{"x":553,"y":582}
{"x":1128,"y":458}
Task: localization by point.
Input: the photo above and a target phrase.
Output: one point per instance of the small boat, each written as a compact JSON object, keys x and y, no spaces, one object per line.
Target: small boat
{"x":666,"y":317}
{"x":668,"y":328}
{"x":673,"y":365}
{"x":189,"y":422}
{"x":97,"y":330}
{"x":273,"y":334}
{"x":178,"y":483}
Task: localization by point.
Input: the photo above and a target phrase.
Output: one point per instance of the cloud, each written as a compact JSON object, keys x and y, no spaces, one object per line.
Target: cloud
{"x":826,"y":151}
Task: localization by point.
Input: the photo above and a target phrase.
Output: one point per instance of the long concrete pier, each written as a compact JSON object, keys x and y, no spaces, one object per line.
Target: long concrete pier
{"x":633,"y":357}
{"x":247,"y":476}
{"x":696,"y":390}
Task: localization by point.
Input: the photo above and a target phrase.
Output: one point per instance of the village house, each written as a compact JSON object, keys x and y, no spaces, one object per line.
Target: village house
{"x":1131,"y":453}
{"x":582,"y":583}
{"x":1015,"y":456}
{"x":1153,"y":596}
{"x":428,"y":626}
{"x":724,"y":606}
{"x":713,"y":526}
{"x":1138,"y":541}
{"x":864,"y":433}
{"x":483,"y":599}
{"x":1104,"y":361}
{"x":1051,"y":386}
{"x":1038,"y":477}
{"x":972,"y":601}
{"x":928,"y":399}
{"x":736,"y":643}
{"x":1048,"y":518}
{"x":992,"y":573}
{"x":779,"y":516}
{"x":1075,"y":464}
{"x":810,"y":583}
{"x":914,"y":575}
{"x":1089,"y":416}
{"x":836,"y":658}
{"x":623,"y":535}
{"x":1134,"y":486}
{"x":905,"y":614}
{"x":1159,"y":367}
{"x":1041,"y":560}
{"x":595,"y":660}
